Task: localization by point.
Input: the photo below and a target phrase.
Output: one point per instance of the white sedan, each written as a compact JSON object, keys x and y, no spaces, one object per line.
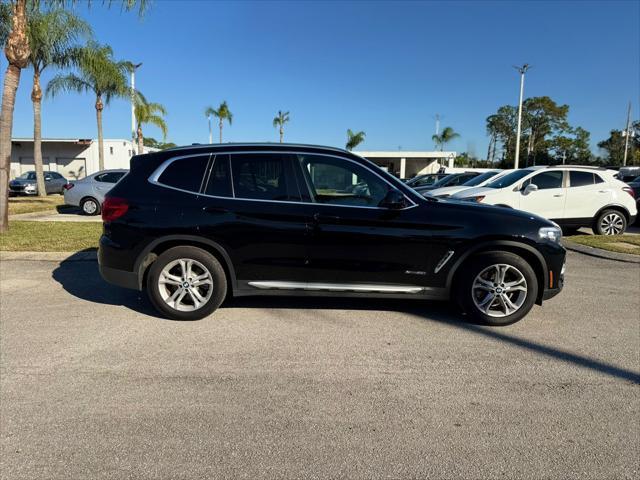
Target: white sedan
{"x":88,"y":193}
{"x":478,"y":181}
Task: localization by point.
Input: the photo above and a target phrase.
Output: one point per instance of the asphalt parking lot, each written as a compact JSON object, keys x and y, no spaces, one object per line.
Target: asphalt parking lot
{"x":94,"y":385}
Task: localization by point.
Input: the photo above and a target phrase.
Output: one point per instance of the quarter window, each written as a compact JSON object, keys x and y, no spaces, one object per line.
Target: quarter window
{"x":546,"y":180}
{"x":338,"y":182}
{"x":185,"y":173}
{"x":263,"y":177}
{"x":220,"y":179}
{"x":580,"y":179}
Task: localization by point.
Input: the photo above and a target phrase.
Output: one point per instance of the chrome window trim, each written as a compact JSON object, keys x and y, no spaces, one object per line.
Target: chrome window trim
{"x":153,"y":178}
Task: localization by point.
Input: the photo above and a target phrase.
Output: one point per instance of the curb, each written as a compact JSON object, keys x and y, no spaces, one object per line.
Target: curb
{"x":83,"y":256}
{"x":600,"y":253}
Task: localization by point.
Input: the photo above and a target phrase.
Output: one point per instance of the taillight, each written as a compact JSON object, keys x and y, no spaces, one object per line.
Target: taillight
{"x":113,"y":208}
{"x":630,"y":191}
{"x":68,"y":186}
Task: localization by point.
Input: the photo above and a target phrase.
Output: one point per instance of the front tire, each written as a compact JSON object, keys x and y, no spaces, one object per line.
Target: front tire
{"x":186,"y":283}
{"x":610,"y":222}
{"x":498,"y":288}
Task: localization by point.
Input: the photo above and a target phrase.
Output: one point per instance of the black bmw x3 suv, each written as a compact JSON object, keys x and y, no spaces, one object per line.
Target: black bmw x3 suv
{"x":194,"y":224}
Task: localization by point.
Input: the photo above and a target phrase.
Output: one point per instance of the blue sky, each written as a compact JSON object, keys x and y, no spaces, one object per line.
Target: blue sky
{"x":383,"y":67}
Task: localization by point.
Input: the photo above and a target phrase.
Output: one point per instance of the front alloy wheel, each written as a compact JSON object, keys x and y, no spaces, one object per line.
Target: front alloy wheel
{"x":497,"y":288}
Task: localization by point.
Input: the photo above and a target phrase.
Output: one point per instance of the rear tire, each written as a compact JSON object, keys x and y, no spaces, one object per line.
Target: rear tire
{"x":610,"y":222}
{"x":90,"y":206}
{"x":186,"y":283}
{"x":497,"y":288}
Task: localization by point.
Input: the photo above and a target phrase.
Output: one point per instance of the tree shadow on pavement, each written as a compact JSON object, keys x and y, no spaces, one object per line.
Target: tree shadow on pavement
{"x":80,"y":277}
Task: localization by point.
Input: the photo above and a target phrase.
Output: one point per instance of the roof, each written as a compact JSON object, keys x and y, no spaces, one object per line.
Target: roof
{"x":69,"y":140}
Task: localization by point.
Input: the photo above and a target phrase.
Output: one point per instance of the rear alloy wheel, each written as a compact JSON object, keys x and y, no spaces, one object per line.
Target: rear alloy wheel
{"x":186,"y":283}
{"x":90,"y":206}
{"x":610,"y":222}
{"x":500,"y":288}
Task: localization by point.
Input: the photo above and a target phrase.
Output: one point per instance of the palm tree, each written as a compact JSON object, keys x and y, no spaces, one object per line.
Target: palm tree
{"x":51,"y":36}
{"x":222,"y":113}
{"x":100,"y":74}
{"x":279,"y":121}
{"x":149,"y":113}
{"x":15,"y":39}
{"x":354,"y":139}
{"x":208,"y":112}
{"x":445,"y":137}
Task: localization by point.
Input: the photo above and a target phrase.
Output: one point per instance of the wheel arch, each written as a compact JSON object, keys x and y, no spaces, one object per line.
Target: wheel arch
{"x":526,"y":251}
{"x":160,"y":245}
{"x":615,"y":206}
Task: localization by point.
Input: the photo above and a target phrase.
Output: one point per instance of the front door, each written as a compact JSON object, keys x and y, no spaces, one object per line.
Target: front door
{"x":258,"y":217}
{"x":354,"y":240}
{"x":549,"y":199}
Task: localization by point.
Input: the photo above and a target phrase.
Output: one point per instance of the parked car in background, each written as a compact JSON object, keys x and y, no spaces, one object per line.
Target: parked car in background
{"x":478,"y":181}
{"x":571,"y":196}
{"x":195,"y":224}
{"x":425,"y":179}
{"x":635,"y":185}
{"x":26,"y":183}
{"x":88,"y":193}
{"x":628,"y":174}
{"x":451,"y":180}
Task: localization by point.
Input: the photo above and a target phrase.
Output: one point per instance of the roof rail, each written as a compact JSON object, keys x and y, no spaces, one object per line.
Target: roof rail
{"x":589,"y":167}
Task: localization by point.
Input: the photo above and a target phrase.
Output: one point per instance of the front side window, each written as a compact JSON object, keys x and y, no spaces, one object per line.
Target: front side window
{"x":262,"y":176}
{"x":340,"y":182}
{"x":546,"y":180}
{"x":580,"y":179}
{"x":185,"y":173}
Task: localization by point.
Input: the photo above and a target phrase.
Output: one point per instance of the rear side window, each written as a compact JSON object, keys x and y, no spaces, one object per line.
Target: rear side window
{"x":263,"y":176}
{"x":547,"y":180}
{"x":580,"y":179}
{"x":185,"y":173}
{"x":220,"y":178}
{"x":110,"y":177}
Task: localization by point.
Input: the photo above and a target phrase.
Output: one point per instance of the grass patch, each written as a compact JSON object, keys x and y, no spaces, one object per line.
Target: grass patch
{"x":613,"y":243}
{"x":34,"y":204}
{"x":24,"y":236}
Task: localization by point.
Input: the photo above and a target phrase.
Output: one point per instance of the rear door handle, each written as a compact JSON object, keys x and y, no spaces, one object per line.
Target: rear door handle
{"x":559,"y":195}
{"x":215,"y":210}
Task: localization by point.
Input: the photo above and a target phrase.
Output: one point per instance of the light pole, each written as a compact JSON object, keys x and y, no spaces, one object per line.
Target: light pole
{"x":523,"y":69}
{"x":133,"y":107}
{"x":627,"y":134}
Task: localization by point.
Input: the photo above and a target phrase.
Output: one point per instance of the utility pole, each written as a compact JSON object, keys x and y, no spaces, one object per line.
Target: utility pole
{"x":437,"y":123}
{"x":627,"y":134}
{"x":133,"y":107}
{"x":523,"y":69}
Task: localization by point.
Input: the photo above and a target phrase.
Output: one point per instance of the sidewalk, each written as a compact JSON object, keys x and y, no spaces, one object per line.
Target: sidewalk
{"x":68,"y":215}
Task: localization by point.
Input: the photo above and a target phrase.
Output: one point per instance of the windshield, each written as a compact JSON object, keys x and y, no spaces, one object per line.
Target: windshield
{"x":508,"y":179}
{"x":475,"y":181}
{"x":28,"y":176}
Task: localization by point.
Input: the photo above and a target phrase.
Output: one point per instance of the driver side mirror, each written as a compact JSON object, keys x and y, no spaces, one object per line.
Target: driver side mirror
{"x":393,"y":200}
{"x":532,"y":187}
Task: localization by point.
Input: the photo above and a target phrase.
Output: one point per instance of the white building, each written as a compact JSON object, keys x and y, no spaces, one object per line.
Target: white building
{"x":74,"y":158}
{"x":409,"y":164}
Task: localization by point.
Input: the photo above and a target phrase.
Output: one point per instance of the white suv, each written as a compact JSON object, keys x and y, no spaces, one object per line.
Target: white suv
{"x":571,"y":196}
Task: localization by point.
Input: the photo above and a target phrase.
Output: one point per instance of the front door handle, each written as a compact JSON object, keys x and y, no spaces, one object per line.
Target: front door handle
{"x":318,"y":218}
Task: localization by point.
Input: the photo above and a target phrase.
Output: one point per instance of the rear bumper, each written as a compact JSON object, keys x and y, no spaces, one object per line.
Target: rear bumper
{"x":121,"y":278}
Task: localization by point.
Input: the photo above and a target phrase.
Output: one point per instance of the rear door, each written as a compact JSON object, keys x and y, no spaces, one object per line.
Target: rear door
{"x":258,"y":216}
{"x":586,"y":194}
{"x":549,"y":200}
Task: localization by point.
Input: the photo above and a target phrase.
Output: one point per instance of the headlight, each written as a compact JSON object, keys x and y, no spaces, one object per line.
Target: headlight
{"x":553,"y":234}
